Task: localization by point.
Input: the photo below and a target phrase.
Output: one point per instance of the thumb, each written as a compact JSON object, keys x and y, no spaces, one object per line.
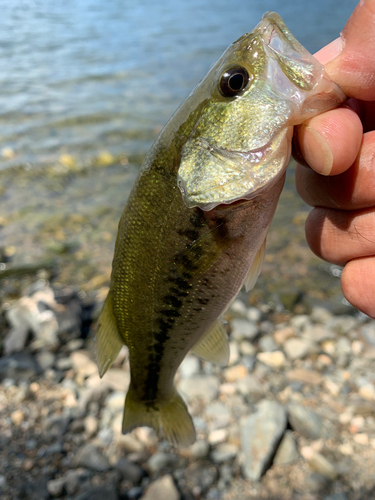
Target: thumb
{"x":353,"y":69}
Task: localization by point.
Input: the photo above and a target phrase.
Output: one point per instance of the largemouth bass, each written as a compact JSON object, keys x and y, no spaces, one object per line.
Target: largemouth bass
{"x":194,"y":228}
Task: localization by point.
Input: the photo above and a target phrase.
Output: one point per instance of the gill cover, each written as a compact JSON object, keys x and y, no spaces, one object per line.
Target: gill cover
{"x":262,"y":85}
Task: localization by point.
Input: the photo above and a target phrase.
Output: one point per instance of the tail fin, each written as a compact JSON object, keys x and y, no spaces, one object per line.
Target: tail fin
{"x":170,"y":416}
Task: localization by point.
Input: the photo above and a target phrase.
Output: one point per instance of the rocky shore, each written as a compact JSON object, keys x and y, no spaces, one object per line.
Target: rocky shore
{"x":291,"y":417}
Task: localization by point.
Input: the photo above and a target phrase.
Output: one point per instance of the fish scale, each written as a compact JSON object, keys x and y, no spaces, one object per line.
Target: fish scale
{"x":194,"y":228}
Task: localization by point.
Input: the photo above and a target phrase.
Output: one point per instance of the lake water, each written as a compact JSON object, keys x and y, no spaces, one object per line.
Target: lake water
{"x":81,"y":79}
{"x":83,"y":76}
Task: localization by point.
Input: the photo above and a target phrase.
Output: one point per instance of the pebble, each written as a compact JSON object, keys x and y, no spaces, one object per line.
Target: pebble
{"x":234,"y":353}
{"x":218,"y":436}
{"x":235,"y":373}
{"x":267,"y":344}
{"x":129,"y":470}
{"x":283,"y":334}
{"x":162,"y":489}
{"x":224,"y":452}
{"x":200,"y":449}
{"x":251,"y":388}
{"x":305,"y":376}
{"x":260,"y":435}
{"x":367,"y":391}
{"x":55,"y":487}
{"x":243,"y":329}
{"x":203,"y":387}
{"x":297,"y":348}
{"x":323,"y":466}
{"x":247,"y":348}
{"x":189,"y":367}
{"x":305,"y":421}
{"x":287,"y":452}
{"x":91,"y":457}
{"x":368,"y":333}
{"x":160,"y":460}
{"x":274,"y":359}
{"x":17,"y":417}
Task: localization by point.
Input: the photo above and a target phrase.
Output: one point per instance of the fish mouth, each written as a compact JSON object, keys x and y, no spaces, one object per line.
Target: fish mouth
{"x":218,"y":176}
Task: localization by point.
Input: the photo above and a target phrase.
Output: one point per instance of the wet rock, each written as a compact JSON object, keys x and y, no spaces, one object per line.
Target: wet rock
{"x":243,"y":329}
{"x":297,"y":348}
{"x":305,"y":421}
{"x":287,"y":452}
{"x":205,"y":388}
{"x":162,"y":489}
{"x":91,"y":457}
{"x":260,"y":436}
{"x":107,"y":492}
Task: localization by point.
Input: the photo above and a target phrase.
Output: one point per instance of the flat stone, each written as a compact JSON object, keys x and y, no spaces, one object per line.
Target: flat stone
{"x":305,"y":376}
{"x":318,"y":333}
{"x":203,"y":387}
{"x":91,"y":457}
{"x":297,"y":348}
{"x":323,"y":466}
{"x":224,"y":452}
{"x":162,"y":489}
{"x":305,"y":421}
{"x":243,"y":329}
{"x":274,"y":359}
{"x":287,"y":452}
{"x":260,"y":435}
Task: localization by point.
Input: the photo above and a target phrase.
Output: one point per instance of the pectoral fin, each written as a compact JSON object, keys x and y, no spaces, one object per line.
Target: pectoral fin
{"x":256,"y":267}
{"x":213,"y":346}
{"x":108,"y":340}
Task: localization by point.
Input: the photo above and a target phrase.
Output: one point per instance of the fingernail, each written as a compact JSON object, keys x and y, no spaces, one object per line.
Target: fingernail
{"x":317,"y":152}
{"x":330,"y":51}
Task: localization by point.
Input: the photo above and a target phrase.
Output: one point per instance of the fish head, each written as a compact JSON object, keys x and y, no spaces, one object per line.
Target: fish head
{"x":265,"y":83}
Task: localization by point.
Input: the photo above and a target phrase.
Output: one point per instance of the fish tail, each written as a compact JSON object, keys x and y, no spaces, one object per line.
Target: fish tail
{"x":169,"y":416}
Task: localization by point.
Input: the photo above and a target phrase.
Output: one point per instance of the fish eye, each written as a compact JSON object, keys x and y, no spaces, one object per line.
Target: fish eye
{"x":233,"y":81}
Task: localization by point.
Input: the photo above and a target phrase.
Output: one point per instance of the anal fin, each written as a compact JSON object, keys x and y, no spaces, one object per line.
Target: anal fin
{"x":213,"y":346}
{"x":255,"y":268}
{"x":108,"y":340}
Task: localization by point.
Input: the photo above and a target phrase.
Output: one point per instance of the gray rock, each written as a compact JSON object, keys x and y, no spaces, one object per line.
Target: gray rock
{"x":251,"y":388}
{"x":300,"y":321}
{"x":3,"y":482}
{"x":56,"y":486}
{"x":267,"y":344}
{"x":199,"y":479}
{"x":218,"y":413}
{"x":73,"y":479}
{"x":130,"y":471}
{"x":224,"y":452}
{"x":320,"y":315}
{"x":19,"y":365}
{"x":160,"y":460}
{"x":243,"y":329}
{"x":260,"y":435}
{"x":56,"y":425}
{"x":342,"y":324}
{"x":318,"y":333}
{"x":162,"y":489}
{"x":64,"y":364}
{"x":91,"y":457}
{"x":115,"y":401}
{"x":16,"y":339}
{"x":45,"y":359}
{"x":253,"y":314}
{"x":368,"y":332}
{"x":107,"y":492}
{"x":297,"y":348}
{"x":205,"y":387}
{"x":189,"y":367}
{"x":336,"y":496}
{"x":305,"y":421}
{"x":323,"y":466}
{"x":287,"y":452}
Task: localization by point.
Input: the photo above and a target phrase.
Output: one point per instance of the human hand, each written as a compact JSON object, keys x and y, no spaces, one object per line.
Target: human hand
{"x":339,"y":146}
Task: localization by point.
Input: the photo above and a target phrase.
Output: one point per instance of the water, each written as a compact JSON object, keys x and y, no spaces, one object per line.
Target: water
{"x":83,"y":76}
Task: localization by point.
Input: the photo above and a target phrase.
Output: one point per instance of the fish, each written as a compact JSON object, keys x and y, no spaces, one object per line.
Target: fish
{"x":194,"y":228}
